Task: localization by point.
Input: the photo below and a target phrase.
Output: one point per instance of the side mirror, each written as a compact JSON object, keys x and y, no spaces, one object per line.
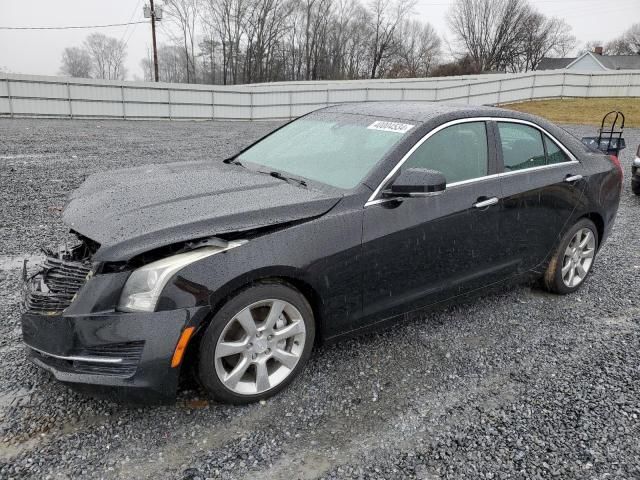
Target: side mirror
{"x":417,"y":182}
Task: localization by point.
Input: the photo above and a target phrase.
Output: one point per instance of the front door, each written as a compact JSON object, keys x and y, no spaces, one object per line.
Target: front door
{"x":418,"y":251}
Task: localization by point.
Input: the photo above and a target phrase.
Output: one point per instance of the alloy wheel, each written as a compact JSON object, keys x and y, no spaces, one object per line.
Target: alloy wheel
{"x":578,"y":257}
{"x":260,"y":347}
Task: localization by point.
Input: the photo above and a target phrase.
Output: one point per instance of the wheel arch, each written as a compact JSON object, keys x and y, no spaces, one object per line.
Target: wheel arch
{"x":598,"y":221}
{"x":290,"y":276}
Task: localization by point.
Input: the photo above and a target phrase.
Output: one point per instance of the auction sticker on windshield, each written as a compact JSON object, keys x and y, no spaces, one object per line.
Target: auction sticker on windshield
{"x":390,"y":126}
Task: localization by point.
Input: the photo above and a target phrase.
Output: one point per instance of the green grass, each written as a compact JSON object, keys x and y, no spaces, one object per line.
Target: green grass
{"x":582,"y":111}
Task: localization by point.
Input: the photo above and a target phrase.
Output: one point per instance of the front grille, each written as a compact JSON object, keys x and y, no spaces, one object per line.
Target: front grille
{"x":52,"y":289}
{"x":129,"y":352}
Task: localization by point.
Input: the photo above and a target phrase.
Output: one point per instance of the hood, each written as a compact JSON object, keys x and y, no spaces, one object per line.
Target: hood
{"x":134,"y":210}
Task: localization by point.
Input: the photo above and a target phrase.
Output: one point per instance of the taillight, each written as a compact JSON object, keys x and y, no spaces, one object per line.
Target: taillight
{"x":616,"y":162}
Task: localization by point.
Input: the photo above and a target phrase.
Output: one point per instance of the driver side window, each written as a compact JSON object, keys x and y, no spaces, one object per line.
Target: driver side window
{"x":459,"y":152}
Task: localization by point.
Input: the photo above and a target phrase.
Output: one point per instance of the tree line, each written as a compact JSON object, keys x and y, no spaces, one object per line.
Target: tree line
{"x":250,"y":41}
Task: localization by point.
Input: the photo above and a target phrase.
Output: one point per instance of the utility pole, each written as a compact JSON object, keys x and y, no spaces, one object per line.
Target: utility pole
{"x":151,"y":12}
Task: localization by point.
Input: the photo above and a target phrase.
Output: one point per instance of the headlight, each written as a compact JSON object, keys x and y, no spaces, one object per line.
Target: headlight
{"x":144,"y":285}
{"x":636,"y":162}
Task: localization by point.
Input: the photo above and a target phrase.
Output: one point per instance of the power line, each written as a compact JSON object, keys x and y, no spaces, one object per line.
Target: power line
{"x":72,"y":27}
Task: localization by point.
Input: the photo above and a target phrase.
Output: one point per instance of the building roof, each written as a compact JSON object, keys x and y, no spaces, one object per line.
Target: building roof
{"x":609,"y":62}
{"x":619,"y":62}
{"x":554,"y":63}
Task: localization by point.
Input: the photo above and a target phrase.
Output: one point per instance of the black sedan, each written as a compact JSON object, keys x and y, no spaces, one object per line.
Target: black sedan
{"x":340,"y":221}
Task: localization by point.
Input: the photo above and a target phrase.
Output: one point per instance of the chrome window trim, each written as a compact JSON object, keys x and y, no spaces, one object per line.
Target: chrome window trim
{"x":375,"y":201}
{"x":75,"y":358}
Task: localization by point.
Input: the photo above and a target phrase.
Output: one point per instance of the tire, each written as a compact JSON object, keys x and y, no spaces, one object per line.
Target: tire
{"x":554,"y":280}
{"x":239,"y":349}
{"x":635,"y":187}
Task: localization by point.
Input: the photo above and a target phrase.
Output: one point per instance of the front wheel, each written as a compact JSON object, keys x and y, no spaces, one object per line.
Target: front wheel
{"x":635,"y":186}
{"x":574,"y":258}
{"x":256,"y":344}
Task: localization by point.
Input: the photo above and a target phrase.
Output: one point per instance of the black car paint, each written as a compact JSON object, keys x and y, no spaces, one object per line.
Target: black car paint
{"x":358,"y":266}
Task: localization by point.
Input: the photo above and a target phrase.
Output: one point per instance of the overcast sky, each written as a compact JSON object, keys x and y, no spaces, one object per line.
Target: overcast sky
{"x":38,"y":52}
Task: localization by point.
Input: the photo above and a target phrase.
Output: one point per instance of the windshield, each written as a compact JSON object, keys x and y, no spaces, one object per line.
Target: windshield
{"x":335,"y":149}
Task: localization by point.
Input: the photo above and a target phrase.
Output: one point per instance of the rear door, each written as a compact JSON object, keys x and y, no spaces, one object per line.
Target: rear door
{"x":542,"y":184}
{"x":418,"y":251}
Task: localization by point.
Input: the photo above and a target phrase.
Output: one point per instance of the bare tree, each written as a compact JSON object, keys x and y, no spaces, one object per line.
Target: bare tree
{"x":419,"y":49}
{"x":386,"y":17}
{"x":107,"y":56}
{"x":183,"y":14}
{"x":76,"y":62}
{"x":227,"y":18}
{"x":543,"y":37}
{"x":506,"y":35}
{"x":626,"y":44}
{"x":172,"y":64}
{"x":632,"y":36}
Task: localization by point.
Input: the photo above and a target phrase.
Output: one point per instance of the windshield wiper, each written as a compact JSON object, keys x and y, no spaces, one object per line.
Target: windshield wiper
{"x":280,"y":176}
{"x":233,"y":161}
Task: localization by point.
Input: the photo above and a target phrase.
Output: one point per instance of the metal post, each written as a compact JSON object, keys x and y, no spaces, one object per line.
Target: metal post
{"x":124,"y":110}
{"x":213,"y":106}
{"x":564,"y":80}
{"x":533,"y":86}
{"x":499,"y":91}
{"x":9,"y":96}
{"x":468,"y":93}
{"x":327,"y":96}
{"x":589,"y":85}
{"x":250,"y":105}
{"x":290,"y":105}
{"x":69,"y":100}
{"x":169,"y":102}
{"x":402,"y":94}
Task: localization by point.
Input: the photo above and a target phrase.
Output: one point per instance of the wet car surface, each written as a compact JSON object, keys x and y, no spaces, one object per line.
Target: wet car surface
{"x":335,"y":223}
{"x":529,"y":337}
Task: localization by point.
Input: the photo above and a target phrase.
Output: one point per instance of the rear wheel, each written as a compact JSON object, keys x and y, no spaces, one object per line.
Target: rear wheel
{"x":256,"y":343}
{"x":635,"y":187}
{"x":574,"y":258}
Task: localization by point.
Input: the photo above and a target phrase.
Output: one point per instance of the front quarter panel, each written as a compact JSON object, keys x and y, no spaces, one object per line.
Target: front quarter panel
{"x":323,"y":254}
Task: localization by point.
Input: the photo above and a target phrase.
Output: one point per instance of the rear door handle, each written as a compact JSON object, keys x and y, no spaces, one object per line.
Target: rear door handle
{"x":573,"y":178}
{"x":486,"y":203}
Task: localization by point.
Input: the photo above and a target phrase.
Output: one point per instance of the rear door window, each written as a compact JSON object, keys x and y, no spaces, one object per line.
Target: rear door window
{"x":554,"y":152}
{"x":522,"y":146}
{"x":459,"y":152}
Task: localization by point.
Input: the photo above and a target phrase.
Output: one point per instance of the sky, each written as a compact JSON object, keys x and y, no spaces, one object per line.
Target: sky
{"x":38,"y":52}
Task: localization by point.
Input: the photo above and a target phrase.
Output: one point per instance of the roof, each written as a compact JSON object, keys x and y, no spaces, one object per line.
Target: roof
{"x":619,"y":62}
{"x":554,"y":63}
{"x":416,"y":111}
{"x":609,"y":62}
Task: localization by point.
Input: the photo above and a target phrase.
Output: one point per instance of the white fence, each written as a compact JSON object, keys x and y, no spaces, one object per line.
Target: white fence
{"x":26,"y":95}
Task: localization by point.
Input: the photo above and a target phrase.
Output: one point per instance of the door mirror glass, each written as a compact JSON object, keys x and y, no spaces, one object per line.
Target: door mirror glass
{"x":415,"y":182}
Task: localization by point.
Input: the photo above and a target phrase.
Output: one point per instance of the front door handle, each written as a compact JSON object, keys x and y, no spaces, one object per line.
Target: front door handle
{"x":486,"y":203}
{"x":573,"y":178}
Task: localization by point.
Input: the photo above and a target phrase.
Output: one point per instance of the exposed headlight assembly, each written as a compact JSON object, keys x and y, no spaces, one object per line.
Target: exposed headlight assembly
{"x":144,"y":285}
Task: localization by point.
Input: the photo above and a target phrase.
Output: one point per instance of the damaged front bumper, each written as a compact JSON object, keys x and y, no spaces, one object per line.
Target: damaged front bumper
{"x":72,"y":329}
{"x":120,"y":356}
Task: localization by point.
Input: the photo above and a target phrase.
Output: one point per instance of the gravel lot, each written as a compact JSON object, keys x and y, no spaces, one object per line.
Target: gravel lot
{"x":519,"y":384}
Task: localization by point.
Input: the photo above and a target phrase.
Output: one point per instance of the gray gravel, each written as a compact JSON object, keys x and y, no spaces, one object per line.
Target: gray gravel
{"x":518,"y":384}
